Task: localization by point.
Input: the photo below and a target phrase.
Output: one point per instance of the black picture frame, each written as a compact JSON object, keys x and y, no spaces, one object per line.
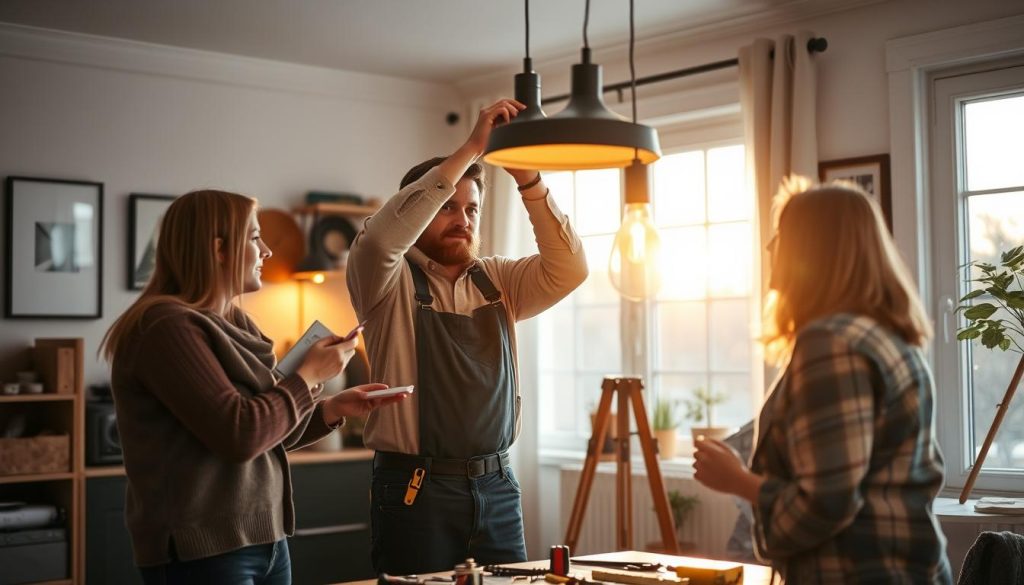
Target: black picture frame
{"x":871,"y":173}
{"x":145,"y":212}
{"x":54,"y":253}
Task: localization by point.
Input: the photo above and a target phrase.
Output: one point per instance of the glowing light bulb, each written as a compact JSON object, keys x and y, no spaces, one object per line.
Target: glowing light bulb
{"x":318,"y":278}
{"x":634,"y":265}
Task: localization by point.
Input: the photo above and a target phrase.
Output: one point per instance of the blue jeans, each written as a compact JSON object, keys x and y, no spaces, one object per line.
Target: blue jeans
{"x":262,"y":564}
{"x":452,"y":519}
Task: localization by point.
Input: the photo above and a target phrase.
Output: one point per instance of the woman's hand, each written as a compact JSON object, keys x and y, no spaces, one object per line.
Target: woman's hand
{"x":355,"y":402}
{"x":718,"y":467}
{"x":326,"y":359}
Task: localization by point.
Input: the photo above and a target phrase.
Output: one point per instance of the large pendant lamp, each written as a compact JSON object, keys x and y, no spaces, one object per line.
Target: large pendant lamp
{"x":585,"y":135}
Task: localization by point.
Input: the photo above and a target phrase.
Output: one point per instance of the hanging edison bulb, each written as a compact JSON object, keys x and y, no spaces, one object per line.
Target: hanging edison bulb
{"x":635,"y":263}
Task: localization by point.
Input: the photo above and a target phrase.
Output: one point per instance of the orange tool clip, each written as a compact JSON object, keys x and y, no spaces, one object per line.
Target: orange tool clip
{"x":414,"y":485}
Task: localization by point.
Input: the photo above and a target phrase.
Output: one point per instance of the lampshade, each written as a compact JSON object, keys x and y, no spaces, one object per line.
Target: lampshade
{"x":585,"y":135}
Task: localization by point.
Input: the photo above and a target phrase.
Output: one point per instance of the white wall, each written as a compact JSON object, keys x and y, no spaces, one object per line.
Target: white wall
{"x":150,"y":119}
{"x":853,"y":116}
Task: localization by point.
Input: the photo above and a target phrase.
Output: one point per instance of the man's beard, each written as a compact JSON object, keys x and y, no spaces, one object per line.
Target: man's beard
{"x":454,"y":253}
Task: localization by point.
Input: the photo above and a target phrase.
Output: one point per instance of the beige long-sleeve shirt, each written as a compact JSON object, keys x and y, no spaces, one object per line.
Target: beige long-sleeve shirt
{"x":381,"y":287}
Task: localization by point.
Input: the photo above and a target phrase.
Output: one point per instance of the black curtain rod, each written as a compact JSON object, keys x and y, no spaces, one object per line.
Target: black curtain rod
{"x":815,"y":45}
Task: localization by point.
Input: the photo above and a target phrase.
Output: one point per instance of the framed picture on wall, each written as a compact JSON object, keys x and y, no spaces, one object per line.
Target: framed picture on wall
{"x":145,"y":212}
{"x":54,"y":267}
{"x":870,"y":172}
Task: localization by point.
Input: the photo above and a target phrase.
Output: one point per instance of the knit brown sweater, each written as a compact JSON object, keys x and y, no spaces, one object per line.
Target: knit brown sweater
{"x":204,"y":426}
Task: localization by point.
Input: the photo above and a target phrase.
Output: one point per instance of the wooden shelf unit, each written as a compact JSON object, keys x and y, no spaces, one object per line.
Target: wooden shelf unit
{"x":37,"y":398}
{"x":66,"y":413}
{"x":346,"y":209}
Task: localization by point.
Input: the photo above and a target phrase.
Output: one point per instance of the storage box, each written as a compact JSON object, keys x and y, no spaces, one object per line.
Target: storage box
{"x":45,"y":454}
{"x":33,"y":555}
{"x":56,"y":366}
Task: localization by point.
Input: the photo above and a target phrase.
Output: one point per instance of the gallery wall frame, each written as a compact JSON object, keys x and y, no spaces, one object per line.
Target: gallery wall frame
{"x":870,"y":172}
{"x":145,"y":212}
{"x":54,"y":249}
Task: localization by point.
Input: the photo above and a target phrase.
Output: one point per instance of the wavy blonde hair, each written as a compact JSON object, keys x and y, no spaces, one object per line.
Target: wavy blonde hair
{"x":833,"y":254}
{"x":187,"y":270}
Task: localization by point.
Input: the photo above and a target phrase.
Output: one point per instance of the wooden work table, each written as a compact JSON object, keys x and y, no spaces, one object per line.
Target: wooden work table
{"x":752,"y":574}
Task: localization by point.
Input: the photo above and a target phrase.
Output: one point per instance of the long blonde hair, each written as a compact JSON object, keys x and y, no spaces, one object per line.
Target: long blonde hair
{"x":187,"y":269}
{"x":833,"y":253}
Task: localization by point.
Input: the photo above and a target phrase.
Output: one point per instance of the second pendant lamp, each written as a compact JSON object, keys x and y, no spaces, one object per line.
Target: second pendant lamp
{"x":585,"y":135}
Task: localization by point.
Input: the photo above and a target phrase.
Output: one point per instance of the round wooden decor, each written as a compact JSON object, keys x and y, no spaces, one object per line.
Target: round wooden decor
{"x":284,"y":237}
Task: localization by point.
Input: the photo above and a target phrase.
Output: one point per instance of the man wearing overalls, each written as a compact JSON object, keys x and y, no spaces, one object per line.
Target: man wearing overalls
{"x":442,"y":319}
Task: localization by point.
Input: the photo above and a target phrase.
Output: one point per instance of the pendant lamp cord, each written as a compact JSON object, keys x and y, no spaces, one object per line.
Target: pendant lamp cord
{"x":586,"y":23}
{"x":527,"y":4}
{"x":632,"y":71}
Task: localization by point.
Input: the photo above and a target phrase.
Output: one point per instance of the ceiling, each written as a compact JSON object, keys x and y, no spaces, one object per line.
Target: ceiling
{"x":435,"y":40}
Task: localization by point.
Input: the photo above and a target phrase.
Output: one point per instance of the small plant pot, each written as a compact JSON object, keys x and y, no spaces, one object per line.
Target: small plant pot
{"x":709,"y":433}
{"x":666,"y":443}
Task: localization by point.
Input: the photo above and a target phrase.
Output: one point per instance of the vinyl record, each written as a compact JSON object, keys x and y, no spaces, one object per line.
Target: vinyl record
{"x":333,"y":234}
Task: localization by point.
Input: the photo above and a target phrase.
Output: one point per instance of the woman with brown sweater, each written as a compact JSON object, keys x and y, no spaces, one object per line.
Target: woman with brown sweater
{"x":204,"y":421}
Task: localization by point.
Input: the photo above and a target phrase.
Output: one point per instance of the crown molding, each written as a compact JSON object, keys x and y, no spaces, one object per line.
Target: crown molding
{"x":948,"y":47}
{"x":32,"y":43}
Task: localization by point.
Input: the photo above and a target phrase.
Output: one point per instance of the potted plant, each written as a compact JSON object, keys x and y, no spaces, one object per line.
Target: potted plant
{"x":998,"y":324}
{"x":665,"y":423}
{"x":682,"y":506}
{"x":700,"y":410}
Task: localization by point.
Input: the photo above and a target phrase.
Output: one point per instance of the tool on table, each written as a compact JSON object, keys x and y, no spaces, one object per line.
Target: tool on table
{"x":469,"y":573}
{"x":385,"y":579}
{"x":499,"y":571}
{"x":636,"y":578}
{"x":622,"y":565}
{"x":559,"y":563}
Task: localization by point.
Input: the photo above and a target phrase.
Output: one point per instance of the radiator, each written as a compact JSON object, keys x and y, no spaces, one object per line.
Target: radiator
{"x":708,"y":527}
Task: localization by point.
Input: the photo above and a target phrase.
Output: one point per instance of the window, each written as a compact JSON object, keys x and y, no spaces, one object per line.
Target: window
{"x":978,"y":211}
{"x":697,"y":331}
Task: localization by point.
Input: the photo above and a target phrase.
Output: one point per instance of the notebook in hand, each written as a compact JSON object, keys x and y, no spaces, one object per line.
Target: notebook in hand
{"x":293,"y":359}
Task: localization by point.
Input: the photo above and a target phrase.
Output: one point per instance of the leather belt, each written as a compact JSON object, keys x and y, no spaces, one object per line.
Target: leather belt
{"x":472,"y":468}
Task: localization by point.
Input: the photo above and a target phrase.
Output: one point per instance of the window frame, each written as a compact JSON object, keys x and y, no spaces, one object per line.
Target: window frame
{"x":949,"y":90}
{"x":637,"y":325}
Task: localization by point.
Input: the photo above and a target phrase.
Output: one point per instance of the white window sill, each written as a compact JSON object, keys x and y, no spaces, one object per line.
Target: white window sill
{"x":677,"y":467}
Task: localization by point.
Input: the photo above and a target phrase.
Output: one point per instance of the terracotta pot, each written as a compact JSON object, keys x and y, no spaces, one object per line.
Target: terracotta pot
{"x":709,"y":432}
{"x":666,"y":443}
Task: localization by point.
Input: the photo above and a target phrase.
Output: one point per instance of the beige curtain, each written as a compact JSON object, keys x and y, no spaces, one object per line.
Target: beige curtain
{"x":778,"y":97}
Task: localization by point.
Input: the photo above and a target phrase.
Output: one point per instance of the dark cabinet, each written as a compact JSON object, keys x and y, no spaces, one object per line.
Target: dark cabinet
{"x":332,"y":526}
{"x":108,"y":548}
{"x":332,"y":523}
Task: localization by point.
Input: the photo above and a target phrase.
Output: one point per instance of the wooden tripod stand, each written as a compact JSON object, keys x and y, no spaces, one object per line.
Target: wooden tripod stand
{"x":629,"y":390}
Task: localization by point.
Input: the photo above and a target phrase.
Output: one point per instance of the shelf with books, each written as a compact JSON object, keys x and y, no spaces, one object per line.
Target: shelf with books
{"x":37,"y":398}
{"x":42,"y":460}
{"x":36,"y":477}
{"x":345,"y":209}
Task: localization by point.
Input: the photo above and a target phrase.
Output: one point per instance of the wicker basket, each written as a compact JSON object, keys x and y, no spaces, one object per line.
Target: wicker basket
{"x":47,"y":454}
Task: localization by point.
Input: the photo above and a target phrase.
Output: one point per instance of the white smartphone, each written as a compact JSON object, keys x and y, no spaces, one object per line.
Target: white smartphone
{"x":390,"y":392}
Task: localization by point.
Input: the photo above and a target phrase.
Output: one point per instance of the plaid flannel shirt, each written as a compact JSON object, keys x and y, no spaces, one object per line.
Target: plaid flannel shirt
{"x":846,"y":442}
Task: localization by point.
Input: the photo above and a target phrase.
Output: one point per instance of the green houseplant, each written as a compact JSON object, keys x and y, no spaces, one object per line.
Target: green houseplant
{"x":682,"y":506}
{"x":996,"y":324}
{"x":665,"y":423}
{"x":700,"y":410}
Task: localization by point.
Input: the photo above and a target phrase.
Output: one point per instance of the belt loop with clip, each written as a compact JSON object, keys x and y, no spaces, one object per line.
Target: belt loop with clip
{"x":414,"y":485}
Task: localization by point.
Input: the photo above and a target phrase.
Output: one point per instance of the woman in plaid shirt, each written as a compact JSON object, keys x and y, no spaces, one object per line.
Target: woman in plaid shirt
{"x":846,"y":464}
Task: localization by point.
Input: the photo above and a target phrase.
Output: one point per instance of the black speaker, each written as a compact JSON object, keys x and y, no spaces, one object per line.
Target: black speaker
{"x":102,"y":443}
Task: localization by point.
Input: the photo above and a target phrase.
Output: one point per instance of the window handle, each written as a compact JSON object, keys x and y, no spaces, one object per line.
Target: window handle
{"x":948,"y":310}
